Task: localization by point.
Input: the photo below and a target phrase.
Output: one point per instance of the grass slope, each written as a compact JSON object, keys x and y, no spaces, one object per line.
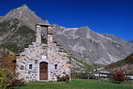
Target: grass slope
{"x":14,"y":35}
{"x":76,"y":84}
{"x":127,"y":61}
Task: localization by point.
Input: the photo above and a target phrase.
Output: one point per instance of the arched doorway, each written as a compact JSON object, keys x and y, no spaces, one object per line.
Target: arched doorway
{"x":43,"y":71}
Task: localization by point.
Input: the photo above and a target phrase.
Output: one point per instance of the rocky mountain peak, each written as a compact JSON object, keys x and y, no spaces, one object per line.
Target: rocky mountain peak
{"x":24,"y":6}
{"x":23,"y":10}
{"x":25,"y":15}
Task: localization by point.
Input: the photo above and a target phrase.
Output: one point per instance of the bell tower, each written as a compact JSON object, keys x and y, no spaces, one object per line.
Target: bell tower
{"x":42,"y":33}
{"x":50,"y":34}
{"x":38,"y":33}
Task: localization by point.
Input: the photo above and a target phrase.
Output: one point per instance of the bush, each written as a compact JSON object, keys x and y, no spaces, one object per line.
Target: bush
{"x":9,"y":79}
{"x":92,"y":76}
{"x":119,"y":76}
{"x":64,"y":78}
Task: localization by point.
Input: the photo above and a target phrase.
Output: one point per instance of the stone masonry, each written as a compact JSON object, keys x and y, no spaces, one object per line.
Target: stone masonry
{"x":29,"y":61}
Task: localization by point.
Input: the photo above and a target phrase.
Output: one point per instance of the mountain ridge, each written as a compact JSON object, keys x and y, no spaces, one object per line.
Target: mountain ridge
{"x":90,"y":45}
{"x":83,"y":43}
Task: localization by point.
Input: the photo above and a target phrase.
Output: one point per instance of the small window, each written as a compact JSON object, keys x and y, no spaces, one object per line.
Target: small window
{"x":55,"y":66}
{"x":30,"y":66}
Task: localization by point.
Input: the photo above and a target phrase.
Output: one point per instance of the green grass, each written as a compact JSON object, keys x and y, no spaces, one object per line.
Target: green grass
{"x":76,"y":84}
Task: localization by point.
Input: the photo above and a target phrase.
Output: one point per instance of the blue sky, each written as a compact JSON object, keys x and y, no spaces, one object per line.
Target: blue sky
{"x":103,"y":16}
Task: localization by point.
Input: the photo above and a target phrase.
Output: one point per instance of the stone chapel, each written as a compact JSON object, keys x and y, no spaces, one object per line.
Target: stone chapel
{"x":43,"y":60}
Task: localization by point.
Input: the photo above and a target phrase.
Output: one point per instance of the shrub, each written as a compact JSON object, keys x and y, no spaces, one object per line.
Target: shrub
{"x":9,"y":79}
{"x":64,"y":78}
{"x":92,"y":76}
{"x":119,"y":75}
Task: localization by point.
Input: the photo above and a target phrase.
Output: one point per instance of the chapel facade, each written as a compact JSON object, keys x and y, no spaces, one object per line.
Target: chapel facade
{"x":44,"y":60}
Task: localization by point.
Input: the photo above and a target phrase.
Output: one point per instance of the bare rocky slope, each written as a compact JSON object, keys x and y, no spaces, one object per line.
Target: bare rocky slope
{"x":17,"y":29}
{"x":92,"y":47}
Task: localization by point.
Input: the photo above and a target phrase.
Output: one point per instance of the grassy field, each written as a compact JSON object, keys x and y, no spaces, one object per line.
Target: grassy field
{"x":76,"y":84}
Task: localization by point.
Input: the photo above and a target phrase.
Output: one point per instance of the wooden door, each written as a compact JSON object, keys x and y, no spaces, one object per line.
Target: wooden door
{"x":43,"y":71}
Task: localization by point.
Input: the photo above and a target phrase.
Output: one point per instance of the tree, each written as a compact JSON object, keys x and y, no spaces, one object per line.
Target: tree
{"x":8,"y":76}
{"x":119,"y":75}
